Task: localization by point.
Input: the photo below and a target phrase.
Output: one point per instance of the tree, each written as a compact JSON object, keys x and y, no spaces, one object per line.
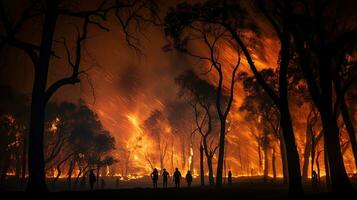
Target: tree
{"x":75,"y":137}
{"x":186,"y":23}
{"x":155,"y":128}
{"x":320,"y":51}
{"x":50,"y":12}
{"x":261,"y":110}
{"x":13,"y":120}
{"x":201,"y":96}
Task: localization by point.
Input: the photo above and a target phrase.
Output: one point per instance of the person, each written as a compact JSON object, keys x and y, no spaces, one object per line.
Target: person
{"x":155,"y":177}
{"x":92,"y":179}
{"x":230,"y":177}
{"x":177,"y":178}
{"x":103,"y":184}
{"x":117,"y":182}
{"x":314,"y":180}
{"x":189,"y":178}
{"x":165,"y":176}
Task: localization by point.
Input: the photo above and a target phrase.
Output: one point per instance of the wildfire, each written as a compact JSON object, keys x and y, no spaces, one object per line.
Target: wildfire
{"x":124,"y":113}
{"x":54,"y":125}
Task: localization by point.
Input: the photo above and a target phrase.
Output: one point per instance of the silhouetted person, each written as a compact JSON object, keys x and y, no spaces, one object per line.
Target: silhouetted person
{"x":314,"y":180}
{"x":230,"y":177}
{"x":177,"y":178}
{"x":117,"y":182}
{"x":165,"y":176}
{"x":189,"y":178}
{"x":92,"y":179}
{"x":103,"y":184}
{"x":155,"y":177}
{"x":83,"y":182}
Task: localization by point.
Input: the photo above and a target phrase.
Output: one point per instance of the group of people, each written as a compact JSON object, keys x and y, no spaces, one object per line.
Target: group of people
{"x":155,"y":177}
{"x":176,"y":178}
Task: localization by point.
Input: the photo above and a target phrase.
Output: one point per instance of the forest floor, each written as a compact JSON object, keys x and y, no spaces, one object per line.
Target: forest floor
{"x":244,"y":189}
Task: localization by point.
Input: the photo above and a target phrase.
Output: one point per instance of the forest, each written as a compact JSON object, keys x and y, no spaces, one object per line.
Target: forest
{"x":256,"y":99}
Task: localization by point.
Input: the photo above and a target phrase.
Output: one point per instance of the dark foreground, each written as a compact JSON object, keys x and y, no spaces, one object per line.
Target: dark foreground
{"x":242,"y":188}
{"x":172,"y":193}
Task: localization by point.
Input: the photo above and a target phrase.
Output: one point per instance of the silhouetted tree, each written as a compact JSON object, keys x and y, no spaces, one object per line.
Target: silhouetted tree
{"x":154,"y":125}
{"x":50,"y":12}
{"x":13,"y":119}
{"x":321,"y":43}
{"x":196,"y":23}
{"x":201,"y":96}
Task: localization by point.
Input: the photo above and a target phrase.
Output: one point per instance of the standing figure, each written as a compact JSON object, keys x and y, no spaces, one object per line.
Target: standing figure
{"x":92,"y":179}
{"x":230,"y":177}
{"x":189,"y":178}
{"x":83,"y":182}
{"x":155,"y":177}
{"x":165,"y":176}
{"x":103,"y":183}
{"x":314,"y":180}
{"x":177,"y":178}
{"x":117,"y":182}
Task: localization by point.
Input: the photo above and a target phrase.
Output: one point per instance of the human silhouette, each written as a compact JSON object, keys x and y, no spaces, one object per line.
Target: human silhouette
{"x":103,"y":184}
{"x":117,"y":182}
{"x":92,"y":179}
{"x":314,"y":180}
{"x":83,"y":182}
{"x":155,"y":177}
{"x":230,"y":177}
{"x":177,"y":178}
{"x":165,"y":176}
{"x":189,"y":178}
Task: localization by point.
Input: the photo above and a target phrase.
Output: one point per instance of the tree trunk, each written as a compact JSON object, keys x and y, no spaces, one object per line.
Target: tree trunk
{"x":266,"y":164}
{"x":98,"y":170}
{"x":36,"y":182}
{"x":221,"y":153}
{"x":24,"y":159}
{"x":339,"y":179}
{"x":172,"y":157}
{"x":183,"y":152}
{"x":327,"y":169}
{"x":18,"y":166}
{"x":284,"y":160}
{"x":260,"y":163}
{"x":350,"y":129}
{"x":293,"y":164}
{"x":307,"y":151}
{"x":318,"y":165}
{"x":70,"y":172}
{"x":273,"y":164}
{"x":210,"y":170}
{"x":202,"y":173}
{"x":295,"y":187}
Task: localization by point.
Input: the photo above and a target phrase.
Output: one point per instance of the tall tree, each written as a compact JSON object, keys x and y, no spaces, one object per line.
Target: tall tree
{"x":230,"y":17}
{"x":321,"y":41}
{"x":186,"y":23}
{"x":50,"y":11}
{"x":201,"y":96}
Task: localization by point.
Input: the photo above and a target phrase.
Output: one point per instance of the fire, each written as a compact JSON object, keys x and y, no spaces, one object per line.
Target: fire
{"x":123,"y":113}
{"x":54,"y":125}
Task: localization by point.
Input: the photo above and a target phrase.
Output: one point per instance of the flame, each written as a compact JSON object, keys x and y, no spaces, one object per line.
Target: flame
{"x":124,"y":112}
{"x":54,"y":125}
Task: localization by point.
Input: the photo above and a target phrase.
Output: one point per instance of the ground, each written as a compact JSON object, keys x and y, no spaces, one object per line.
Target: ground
{"x":243,"y":189}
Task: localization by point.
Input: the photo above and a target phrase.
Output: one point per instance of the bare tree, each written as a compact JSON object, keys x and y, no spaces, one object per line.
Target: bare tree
{"x":320,"y":51}
{"x":196,"y":23}
{"x":49,"y":12}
